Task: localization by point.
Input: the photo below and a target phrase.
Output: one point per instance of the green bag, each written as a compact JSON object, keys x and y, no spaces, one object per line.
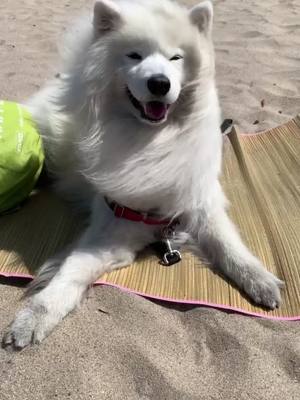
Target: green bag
{"x":21,"y":155}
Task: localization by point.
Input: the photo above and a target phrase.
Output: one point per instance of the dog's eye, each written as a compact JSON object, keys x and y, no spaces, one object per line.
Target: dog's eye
{"x":176,"y":57}
{"x":134,"y":56}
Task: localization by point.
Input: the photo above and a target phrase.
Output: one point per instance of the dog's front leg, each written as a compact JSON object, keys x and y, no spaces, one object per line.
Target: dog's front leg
{"x":221,"y":243}
{"x":106,"y":245}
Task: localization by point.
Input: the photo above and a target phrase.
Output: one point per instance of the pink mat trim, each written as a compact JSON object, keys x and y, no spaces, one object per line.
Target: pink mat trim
{"x":193,"y":302}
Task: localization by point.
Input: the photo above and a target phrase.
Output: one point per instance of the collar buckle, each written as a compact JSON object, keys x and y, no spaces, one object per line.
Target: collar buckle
{"x":118,"y":210}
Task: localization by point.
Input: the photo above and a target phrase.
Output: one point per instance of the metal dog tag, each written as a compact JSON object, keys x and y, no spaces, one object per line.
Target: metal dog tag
{"x":171,"y":256}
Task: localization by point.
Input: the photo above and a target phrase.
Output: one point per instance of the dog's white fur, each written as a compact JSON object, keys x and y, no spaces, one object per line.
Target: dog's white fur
{"x":97,"y":144}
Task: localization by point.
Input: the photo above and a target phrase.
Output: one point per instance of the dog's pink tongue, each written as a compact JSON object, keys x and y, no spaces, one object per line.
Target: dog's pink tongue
{"x":155,"y":110}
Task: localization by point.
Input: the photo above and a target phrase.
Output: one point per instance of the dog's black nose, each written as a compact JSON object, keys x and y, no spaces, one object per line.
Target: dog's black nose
{"x":159,"y":85}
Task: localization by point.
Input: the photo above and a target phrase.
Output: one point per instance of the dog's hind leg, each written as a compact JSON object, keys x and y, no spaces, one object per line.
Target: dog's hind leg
{"x":107,"y":244}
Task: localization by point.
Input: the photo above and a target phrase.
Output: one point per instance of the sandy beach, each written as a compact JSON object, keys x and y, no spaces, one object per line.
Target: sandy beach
{"x":121,"y":346}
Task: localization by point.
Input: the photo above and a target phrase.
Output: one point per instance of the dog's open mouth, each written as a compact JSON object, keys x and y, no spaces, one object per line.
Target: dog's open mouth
{"x":153,"y":111}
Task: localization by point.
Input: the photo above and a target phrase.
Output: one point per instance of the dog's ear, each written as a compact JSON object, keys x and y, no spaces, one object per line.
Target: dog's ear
{"x":107,"y":16}
{"x":201,"y":15}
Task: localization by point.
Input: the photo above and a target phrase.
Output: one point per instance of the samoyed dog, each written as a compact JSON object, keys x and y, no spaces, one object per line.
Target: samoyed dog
{"x":132,"y":131}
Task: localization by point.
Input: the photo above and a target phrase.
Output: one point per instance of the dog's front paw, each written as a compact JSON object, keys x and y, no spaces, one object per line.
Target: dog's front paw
{"x":29,"y":327}
{"x":263,"y":288}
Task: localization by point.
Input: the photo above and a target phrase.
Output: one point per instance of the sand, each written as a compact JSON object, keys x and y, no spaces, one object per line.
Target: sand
{"x":120,"y":346}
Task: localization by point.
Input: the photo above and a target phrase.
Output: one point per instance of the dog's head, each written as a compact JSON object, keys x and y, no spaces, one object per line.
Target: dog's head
{"x":152,"y":51}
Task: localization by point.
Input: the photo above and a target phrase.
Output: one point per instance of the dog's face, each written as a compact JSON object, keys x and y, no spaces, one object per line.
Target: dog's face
{"x":153,"y":82}
{"x":153,"y":51}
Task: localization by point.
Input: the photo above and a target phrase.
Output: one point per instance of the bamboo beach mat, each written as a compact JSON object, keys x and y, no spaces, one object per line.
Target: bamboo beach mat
{"x":261,"y":177}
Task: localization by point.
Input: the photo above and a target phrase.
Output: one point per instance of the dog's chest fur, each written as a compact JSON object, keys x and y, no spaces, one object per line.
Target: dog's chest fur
{"x":166,"y":170}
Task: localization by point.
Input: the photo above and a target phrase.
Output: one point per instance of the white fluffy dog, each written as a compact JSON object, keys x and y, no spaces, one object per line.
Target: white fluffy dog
{"x":134,"y":122}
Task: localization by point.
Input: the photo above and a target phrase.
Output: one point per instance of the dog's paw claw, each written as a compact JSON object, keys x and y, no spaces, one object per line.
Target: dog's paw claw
{"x":7,"y":339}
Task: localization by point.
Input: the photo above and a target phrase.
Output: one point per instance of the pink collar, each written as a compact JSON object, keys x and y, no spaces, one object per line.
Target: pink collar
{"x":136,"y":216}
